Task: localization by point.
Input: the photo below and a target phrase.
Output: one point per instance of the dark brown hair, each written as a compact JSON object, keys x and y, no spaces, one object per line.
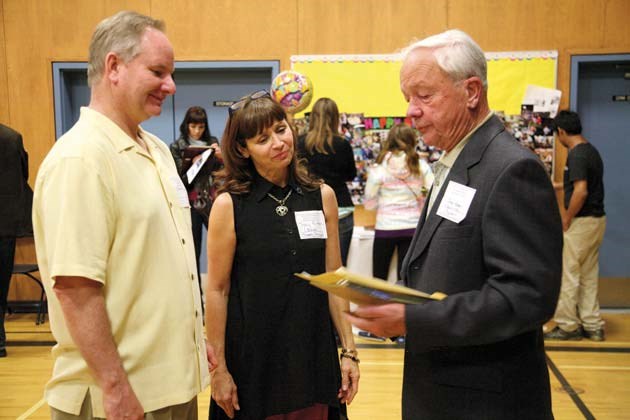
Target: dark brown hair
{"x":195,"y":114}
{"x":323,"y":125}
{"x":255,"y":116}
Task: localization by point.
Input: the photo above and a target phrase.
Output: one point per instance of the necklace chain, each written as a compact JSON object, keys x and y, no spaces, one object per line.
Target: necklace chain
{"x":281,"y":209}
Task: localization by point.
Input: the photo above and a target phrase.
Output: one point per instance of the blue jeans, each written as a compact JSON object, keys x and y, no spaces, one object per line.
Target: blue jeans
{"x":346,"y":225}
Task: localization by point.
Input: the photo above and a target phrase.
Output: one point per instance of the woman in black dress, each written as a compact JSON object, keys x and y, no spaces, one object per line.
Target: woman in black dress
{"x":271,"y":332}
{"x":330,"y":157}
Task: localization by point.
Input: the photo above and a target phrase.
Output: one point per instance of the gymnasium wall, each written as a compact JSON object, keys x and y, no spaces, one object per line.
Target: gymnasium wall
{"x":34,"y":33}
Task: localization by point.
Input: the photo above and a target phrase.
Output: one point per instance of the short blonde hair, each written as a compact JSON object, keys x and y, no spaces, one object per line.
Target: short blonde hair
{"x":121,"y":34}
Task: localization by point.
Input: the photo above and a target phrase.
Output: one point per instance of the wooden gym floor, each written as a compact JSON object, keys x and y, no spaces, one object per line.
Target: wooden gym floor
{"x":589,"y":380}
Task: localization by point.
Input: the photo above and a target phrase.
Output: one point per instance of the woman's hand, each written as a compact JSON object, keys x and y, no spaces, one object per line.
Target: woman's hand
{"x":224,"y":391}
{"x":349,"y":380}
{"x":217,"y":151}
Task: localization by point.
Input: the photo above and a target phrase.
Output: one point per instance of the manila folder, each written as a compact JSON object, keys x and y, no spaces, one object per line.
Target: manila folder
{"x":364,"y":290}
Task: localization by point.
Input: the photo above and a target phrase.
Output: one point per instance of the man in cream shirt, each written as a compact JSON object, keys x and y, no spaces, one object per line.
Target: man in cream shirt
{"x":114,"y":243}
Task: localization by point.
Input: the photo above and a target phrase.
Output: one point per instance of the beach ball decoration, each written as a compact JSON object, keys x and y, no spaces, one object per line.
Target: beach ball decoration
{"x":292,"y":90}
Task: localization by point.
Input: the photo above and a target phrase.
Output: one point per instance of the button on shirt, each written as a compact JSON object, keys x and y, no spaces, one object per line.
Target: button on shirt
{"x":107,"y":210}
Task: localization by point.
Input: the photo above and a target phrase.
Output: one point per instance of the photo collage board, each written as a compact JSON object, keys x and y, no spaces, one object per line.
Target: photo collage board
{"x":366,"y":134}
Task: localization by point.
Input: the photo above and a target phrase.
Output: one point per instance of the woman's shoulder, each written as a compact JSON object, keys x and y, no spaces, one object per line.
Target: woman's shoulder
{"x":341,"y":144}
{"x":180,"y":143}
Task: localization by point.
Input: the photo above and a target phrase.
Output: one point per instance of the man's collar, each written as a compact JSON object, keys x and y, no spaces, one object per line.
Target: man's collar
{"x":449,"y":158}
{"x":117,"y":135}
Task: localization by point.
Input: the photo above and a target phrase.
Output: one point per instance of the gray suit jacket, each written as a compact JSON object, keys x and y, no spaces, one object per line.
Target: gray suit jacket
{"x":16,"y":197}
{"x":479,"y":353}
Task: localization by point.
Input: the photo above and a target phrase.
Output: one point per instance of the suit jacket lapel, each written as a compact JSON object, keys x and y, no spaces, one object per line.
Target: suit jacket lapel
{"x":469,"y":157}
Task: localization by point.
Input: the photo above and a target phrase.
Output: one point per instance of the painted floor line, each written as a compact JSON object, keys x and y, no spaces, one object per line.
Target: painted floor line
{"x":582,"y":367}
{"x":33,"y":409}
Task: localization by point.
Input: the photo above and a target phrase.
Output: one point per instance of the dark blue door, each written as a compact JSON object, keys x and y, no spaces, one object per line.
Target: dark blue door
{"x":606,"y":124}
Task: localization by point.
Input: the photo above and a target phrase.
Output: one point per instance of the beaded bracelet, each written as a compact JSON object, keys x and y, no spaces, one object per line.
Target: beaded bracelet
{"x":349,"y":354}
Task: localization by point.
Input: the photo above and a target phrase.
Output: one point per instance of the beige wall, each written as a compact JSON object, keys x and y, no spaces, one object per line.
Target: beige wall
{"x":34,"y":33}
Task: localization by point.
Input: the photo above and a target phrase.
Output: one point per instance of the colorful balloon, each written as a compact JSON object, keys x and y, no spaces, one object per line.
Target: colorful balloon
{"x":292,"y":90}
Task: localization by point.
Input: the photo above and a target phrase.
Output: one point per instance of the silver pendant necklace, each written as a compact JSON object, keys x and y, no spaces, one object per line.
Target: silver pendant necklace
{"x":281,"y":209}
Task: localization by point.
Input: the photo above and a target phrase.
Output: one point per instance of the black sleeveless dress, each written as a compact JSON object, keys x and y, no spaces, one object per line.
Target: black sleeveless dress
{"x":279,"y":346}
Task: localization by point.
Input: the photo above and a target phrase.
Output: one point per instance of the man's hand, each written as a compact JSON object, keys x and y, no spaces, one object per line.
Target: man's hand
{"x":566,"y":222}
{"x":217,"y":151}
{"x":120,"y":402}
{"x":383,"y":320}
{"x":212,"y":358}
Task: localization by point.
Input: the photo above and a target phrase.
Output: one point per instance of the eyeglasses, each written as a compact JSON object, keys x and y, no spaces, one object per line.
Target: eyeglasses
{"x":245,"y":99}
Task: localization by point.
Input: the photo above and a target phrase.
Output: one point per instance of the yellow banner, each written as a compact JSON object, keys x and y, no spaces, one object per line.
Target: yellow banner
{"x":371,"y":84}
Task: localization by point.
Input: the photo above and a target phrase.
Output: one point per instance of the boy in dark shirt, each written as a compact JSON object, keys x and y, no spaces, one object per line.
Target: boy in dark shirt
{"x":584,"y":223}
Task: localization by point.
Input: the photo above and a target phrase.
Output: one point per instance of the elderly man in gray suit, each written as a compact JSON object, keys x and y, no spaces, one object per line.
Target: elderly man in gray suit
{"x":490,"y":237}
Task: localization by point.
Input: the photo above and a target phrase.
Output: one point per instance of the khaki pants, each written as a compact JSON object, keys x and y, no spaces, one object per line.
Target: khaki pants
{"x":186,"y":411}
{"x":578,"y":303}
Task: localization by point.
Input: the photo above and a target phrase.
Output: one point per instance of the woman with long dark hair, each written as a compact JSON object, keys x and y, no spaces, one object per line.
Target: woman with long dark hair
{"x":272,"y":333}
{"x":330,"y":158}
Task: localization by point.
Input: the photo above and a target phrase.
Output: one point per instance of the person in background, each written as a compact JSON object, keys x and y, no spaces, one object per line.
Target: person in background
{"x":272,"y":333}
{"x":114,"y":244}
{"x":584,"y":223}
{"x":195,"y":132}
{"x":489,"y":237}
{"x":396,"y":187}
{"x":15,"y":211}
{"x":330,"y":158}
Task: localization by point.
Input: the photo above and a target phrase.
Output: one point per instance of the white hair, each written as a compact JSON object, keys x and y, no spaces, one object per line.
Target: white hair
{"x":457,"y":54}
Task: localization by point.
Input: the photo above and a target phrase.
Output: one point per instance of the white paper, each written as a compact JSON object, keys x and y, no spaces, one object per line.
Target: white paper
{"x":543,"y":99}
{"x":180,"y":191}
{"x":456,"y":201}
{"x":192,"y":172}
{"x":311,"y":224}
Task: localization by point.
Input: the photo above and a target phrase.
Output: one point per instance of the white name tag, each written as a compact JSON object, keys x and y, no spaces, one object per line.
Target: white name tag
{"x":311,"y":224}
{"x":456,"y":202}
{"x":180,"y":191}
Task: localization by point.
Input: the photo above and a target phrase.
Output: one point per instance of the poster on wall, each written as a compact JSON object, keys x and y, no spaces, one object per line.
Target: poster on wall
{"x":366,"y":135}
{"x":366,"y":89}
{"x":533,"y":130}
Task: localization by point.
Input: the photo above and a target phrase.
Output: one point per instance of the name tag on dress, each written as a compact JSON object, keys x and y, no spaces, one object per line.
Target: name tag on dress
{"x":456,"y":201}
{"x":311,"y":224}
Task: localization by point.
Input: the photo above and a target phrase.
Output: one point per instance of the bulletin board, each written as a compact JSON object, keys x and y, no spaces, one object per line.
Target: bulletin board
{"x":370,"y":84}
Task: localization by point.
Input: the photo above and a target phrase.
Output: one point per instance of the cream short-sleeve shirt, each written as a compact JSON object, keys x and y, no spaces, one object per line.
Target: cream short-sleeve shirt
{"x":107,"y":210}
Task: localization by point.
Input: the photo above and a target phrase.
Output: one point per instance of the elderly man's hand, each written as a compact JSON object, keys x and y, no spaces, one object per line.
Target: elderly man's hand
{"x":383,"y":320}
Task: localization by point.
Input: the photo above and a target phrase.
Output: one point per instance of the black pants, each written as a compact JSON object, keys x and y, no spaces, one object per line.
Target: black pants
{"x":7,"y":254}
{"x":382,"y":255}
{"x":346,"y":226}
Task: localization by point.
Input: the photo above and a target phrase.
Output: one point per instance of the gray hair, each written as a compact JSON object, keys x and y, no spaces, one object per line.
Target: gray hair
{"x":457,"y":54}
{"x":120,"y":34}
